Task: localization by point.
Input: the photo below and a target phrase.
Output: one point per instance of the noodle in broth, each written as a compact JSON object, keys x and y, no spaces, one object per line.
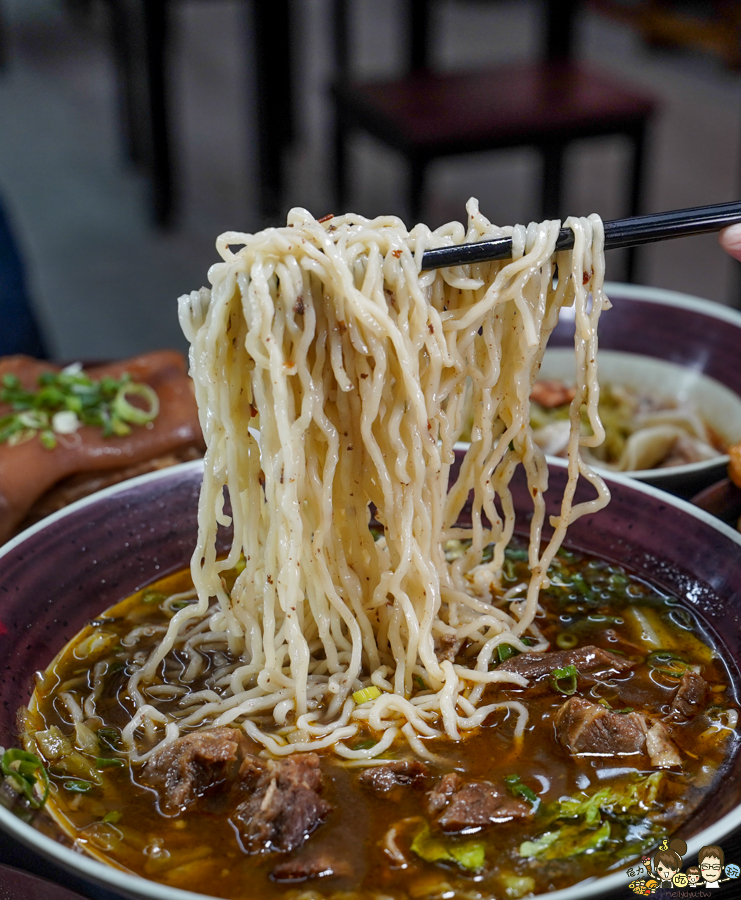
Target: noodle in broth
{"x":331,"y":378}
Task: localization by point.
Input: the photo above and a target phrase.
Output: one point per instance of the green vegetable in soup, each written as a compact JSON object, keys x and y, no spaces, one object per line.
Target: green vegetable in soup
{"x":468,"y":855}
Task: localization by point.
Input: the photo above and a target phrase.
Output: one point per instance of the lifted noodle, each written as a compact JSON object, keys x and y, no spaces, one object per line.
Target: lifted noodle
{"x":354,"y":368}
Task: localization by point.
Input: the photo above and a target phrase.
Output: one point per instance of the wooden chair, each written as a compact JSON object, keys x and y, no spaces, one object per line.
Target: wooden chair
{"x":427,"y":115}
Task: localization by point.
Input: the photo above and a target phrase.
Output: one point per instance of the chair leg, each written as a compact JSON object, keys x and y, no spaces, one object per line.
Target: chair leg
{"x":551,"y":186}
{"x":156,"y":46}
{"x":341,"y":155}
{"x":274,"y":104}
{"x":636,"y":193}
{"x":415,"y":200}
{"x":126,"y":53}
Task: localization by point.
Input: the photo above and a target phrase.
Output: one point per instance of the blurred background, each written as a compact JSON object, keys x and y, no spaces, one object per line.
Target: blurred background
{"x":132,"y":132}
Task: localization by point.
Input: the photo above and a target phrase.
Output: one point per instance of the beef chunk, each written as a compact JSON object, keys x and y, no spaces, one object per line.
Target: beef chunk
{"x":194,"y":764}
{"x":474,"y":803}
{"x":439,"y":797}
{"x":318,"y":865}
{"x":447,"y":646}
{"x":690,"y":697}
{"x":590,"y":729}
{"x":660,"y":748}
{"x":536,"y":667}
{"x":283,"y":806}
{"x":383,"y":779}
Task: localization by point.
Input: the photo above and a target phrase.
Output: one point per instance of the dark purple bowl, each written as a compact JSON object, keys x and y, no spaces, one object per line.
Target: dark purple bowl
{"x":70,"y":567}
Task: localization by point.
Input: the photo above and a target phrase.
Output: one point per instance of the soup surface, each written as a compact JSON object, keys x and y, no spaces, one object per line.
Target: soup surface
{"x":631,"y":716}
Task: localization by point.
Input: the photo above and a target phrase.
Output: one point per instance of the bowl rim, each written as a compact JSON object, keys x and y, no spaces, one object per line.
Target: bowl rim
{"x":136,"y":885}
{"x":675,"y":298}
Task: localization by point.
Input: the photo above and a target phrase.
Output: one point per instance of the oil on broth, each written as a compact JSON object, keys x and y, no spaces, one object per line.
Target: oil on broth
{"x":589,"y":813}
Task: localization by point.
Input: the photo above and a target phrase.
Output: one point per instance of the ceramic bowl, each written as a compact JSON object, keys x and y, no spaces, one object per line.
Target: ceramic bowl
{"x":722,"y":499}
{"x":67,"y":569}
{"x":700,"y":343}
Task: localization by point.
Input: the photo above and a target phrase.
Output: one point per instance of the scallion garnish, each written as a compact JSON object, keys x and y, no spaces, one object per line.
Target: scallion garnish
{"x":26,"y":773}
{"x":564,"y":680}
{"x":506,"y":651}
{"x":106,"y":762}
{"x":366,"y":694}
{"x":109,"y":737}
{"x":668,"y":663}
{"x":518,"y":789}
{"x":77,"y":786}
{"x":68,"y":399}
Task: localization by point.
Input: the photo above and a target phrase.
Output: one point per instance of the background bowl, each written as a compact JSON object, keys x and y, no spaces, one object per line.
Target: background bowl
{"x":73,"y":565}
{"x":722,"y":499}
{"x":702,"y":336}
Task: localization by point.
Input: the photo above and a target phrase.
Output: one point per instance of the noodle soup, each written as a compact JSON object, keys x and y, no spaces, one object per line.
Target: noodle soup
{"x":558,"y":810}
{"x":423,"y":708}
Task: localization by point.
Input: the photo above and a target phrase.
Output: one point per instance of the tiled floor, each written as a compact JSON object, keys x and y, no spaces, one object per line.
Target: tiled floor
{"x":105,"y":282}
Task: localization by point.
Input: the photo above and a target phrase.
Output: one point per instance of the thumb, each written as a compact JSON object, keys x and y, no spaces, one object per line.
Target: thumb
{"x":730,"y":240}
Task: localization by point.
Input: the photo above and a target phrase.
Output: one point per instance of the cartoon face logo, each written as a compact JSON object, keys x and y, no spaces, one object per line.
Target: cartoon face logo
{"x":666,"y":873}
{"x":732,"y":870}
{"x":710,"y":869}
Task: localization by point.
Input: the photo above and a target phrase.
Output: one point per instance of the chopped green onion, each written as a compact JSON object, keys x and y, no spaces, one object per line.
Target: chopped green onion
{"x":68,"y":399}
{"x":366,"y":694}
{"x":109,"y":737}
{"x":365,"y":745}
{"x":667,"y":662}
{"x":110,"y":818}
{"x":518,"y":789}
{"x":153,"y":597}
{"x":506,"y":651}
{"x":77,"y":786}
{"x":564,"y":680}
{"x":26,"y":771}
{"x":566,"y":640}
{"x":105,"y":762}
{"x":180,"y":604}
{"x":134,"y":414}
{"x":419,"y":682}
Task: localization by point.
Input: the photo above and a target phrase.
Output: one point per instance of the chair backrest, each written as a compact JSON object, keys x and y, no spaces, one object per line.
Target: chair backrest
{"x":558,"y":32}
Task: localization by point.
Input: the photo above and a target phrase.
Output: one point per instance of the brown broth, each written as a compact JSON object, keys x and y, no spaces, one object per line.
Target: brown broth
{"x":590,"y":602}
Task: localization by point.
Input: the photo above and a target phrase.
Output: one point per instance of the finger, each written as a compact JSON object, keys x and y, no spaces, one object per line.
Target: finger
{"x":730,"y":240}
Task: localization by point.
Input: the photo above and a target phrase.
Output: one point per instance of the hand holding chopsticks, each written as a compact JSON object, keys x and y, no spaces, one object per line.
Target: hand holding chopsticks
{"x":618,"y":233}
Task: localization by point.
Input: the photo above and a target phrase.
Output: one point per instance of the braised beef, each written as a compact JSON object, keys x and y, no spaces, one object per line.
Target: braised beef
{"x":472,"y":804}
{"x":318,"y":865}
{"x":589,"y":728}
{"x":447,"y":646}
{"x":589,"y":660}
{"x":283,"y":806}
{"x":194,"y":764}
{"x":384,"y":779}
{"x":690,"y":697}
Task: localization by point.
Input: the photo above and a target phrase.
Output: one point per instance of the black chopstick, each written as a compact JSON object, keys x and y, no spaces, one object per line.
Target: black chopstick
{"x":618,"y":233}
